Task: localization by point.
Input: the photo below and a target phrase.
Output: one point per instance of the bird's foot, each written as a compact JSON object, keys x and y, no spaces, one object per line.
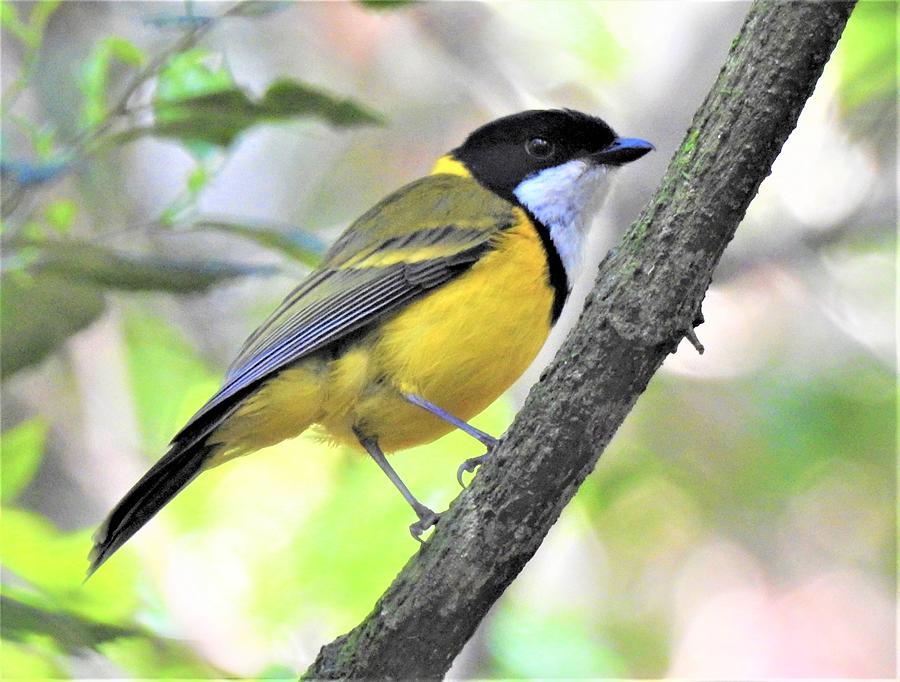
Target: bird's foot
{"x":469,"y":466}
{"x":427,"y":519}
{"x":691,"y":336}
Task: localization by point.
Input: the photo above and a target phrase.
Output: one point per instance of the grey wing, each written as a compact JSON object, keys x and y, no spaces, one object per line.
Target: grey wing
{"x":310,"y":321}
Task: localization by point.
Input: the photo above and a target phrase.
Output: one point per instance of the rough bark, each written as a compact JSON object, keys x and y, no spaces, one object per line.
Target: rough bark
{"x":646,"y":297}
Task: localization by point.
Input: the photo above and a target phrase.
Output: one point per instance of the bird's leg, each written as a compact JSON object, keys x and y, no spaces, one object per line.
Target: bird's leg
{"x":489,"y":441}
{"x":427,"y":518}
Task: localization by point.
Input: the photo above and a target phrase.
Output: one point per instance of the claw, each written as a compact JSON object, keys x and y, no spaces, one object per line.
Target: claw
{"x":427,"y":519}
{"x":691,"y":336}
{"x":469,"y":466}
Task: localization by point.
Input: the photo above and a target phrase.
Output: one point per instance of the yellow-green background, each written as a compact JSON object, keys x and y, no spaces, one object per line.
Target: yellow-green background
{"x":741,"y":524}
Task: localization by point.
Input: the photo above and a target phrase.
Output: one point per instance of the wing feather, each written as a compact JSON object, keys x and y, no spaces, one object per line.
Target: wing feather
{"x":346,"y":294}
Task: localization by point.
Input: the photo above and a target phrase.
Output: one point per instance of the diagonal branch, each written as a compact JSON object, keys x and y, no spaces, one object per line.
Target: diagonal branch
{"x":646,"y":297}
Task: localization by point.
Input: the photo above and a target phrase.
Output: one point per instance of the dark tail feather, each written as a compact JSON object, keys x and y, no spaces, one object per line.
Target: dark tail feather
{"x":177,"y":468}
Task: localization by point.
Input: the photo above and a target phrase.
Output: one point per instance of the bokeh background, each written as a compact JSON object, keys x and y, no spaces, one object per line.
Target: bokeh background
{"x":740,"y":526}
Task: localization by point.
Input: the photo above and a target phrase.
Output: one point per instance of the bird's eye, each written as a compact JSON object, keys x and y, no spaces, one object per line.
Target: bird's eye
{"x":539,"y":148}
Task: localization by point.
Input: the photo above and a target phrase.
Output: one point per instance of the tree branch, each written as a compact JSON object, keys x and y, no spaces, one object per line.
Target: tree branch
{"x":646,"y":297}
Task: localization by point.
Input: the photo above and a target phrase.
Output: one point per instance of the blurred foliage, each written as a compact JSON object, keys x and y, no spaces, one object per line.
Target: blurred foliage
{"x":30,"y":33}
{"x":56,"y":275}
{"x":530,"y":643}
{"x":384,"y":4}
{"x":219,"y":116}
{"x":86,"y":262}
{"x":161,"y":365}
{"x":195,"y":101}
{"x":653,"y":495}
{"x":300,"y":540}
{"x":869,"y":55}
{"x":47,"y":612}
{"x":71,"y":633}
{"x":59,"y":289}
{"x":38,"y":314}
{"x":22,"y":447}
{"x":95,"y":75}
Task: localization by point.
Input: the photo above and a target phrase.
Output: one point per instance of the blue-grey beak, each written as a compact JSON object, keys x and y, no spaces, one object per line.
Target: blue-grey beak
{"x":623,"y":150}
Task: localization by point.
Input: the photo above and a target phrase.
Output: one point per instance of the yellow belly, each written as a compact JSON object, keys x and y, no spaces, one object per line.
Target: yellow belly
{"x":460,"y":346}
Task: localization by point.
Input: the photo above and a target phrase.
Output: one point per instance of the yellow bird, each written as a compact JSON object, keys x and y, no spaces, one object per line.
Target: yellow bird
{"x":420,"y":315}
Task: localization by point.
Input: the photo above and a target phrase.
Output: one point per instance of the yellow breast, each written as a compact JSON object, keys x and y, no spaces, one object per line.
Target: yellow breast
{"x":460,"y":346}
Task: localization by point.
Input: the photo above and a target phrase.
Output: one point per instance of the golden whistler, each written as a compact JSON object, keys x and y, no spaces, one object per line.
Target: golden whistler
{"x":420,"y":315}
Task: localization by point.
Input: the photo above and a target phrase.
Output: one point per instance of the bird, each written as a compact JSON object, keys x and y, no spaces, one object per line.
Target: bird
{"x":422,"y":313}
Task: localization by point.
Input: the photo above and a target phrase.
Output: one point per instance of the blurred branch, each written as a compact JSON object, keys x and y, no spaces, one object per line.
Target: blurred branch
{"x":646,"y":297}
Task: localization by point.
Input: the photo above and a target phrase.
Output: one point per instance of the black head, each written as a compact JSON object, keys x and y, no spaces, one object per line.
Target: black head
{"x":502,"y":153}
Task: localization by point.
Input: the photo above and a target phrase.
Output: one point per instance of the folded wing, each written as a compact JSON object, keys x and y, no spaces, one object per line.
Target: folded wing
{"x":413,"y":241}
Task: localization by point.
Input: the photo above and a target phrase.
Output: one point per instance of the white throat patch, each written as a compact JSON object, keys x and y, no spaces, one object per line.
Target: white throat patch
{"x":565,"y":198}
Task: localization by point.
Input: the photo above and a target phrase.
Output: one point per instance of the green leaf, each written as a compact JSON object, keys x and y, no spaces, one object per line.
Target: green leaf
{"x":41,"y":14}
{"x":384,"y":4}
{"x":42,"y":137}
{"x":9,"y":18}
{"x":95,"y":74}
{"x":125,"y":51}
{"x":71,"y":633}
{"x":98,"y":265}
{"x":22,"y":449}
{"x":286,"y":98}
{"x":218,"y":117}
{"x":38,"y":314}
{"x":197,"y":179}
{"x":189,"y":74}
{"x":60,"y":214}
{"x":63,"y":292}
{"x":294,"y":243}
{"x":44,"y":628}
